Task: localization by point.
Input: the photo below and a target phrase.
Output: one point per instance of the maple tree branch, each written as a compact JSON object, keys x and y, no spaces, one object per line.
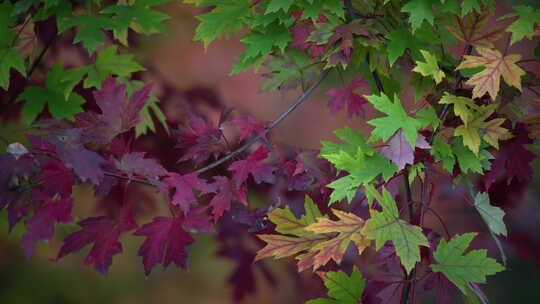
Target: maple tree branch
{"x":272,"y":125}
{"x":533,"y":90}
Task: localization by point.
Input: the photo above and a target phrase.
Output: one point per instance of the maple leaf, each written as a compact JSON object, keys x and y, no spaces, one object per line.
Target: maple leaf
{"x":221,"y":202}
{"x":512,"y":158}
{"x":419,"y":11}
{"x":430,"y":67}
{"x":463,"y":269}
{"x":397,"y":118}
{"x":286,"y":222}
{"x":399,"y":151}
{"x":349,"y":229}
{"x":59,"y":105}
{"x":387,"y":226}
{"x":469,"y":5}
{"x":496,"y":65}
{"x":135,"y":163}
{"x":346,"y":96}
{"x":260,"y":44}
{"x":56,"y":178}
{"x":343,"y":289}
{"x":138,"y":16}
{"x":69,"y":145}
{"x":90,"y":31}
{"x":249,"y":126}
{"x":200,"y":140}
{"x":117,"y":116}
{"x":108,"y":63}
{"x":183,"y":186}
{"x":41,"y":224}
{"x":524,"y":25}
{"x":226,"y":17}
{"x":442,"y":152}
{"x":276,"y":5}
{"x":492,"y":216}
{"x":469,"y":30}
{"x":467,"y":160}
{"x":357,"y":158}
{"x":10,"y":58}
{"x":253,"y":165}
{"x":103,"y":232}
{"x":166,"y":243}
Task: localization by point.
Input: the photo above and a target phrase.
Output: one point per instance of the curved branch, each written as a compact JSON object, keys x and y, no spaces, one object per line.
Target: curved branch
{"x":272,"y":125}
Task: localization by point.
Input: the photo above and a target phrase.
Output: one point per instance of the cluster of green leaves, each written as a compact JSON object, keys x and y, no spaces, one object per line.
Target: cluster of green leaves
{"x":90,"y":24}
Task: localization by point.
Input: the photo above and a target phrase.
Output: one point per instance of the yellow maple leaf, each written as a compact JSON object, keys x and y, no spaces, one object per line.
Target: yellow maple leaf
{"x":496,"y":65}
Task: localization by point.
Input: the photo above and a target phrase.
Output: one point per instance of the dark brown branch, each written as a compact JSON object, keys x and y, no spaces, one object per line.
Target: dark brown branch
{"x":272,"y":125}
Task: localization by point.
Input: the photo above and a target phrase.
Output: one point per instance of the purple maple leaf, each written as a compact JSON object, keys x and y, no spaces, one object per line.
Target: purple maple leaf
{"x":103,"y":232}
{"x":200,"y":141}
{"x":513,"y":158}
{"x":184,"y":186}
{"x":56,"y":178}
{"x":166,"y":243}
{"x":253,"y":165}
{"x":249,"y":125}
{"x":117,"y":116}
{"x":399,"y":151}
{"x":41,"y":224}
{"x":69,"y":145}
{"x":221,"y":202}
{"x":134,"y":163}
{"x":346,"y":95}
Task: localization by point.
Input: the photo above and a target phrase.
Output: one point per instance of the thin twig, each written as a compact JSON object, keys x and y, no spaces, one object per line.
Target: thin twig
{"x":273,"y":124}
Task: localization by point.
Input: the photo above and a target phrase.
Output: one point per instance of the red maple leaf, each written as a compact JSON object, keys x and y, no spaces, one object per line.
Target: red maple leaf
{"x":249,"y":125}
{"x":184,"y":186}
{"x":346,"y":96}
{"x":221,"y":202}
{"x":41,"y":224}
{"x":103,"y":232}
{"x":512,"y":158}
{"x":117,"y":116}
{"x":134,"y":163}
{"x":56,"y":178}
{"x":166,"y":243}
{"x":253,"y":165}
{"x":200,"y":141}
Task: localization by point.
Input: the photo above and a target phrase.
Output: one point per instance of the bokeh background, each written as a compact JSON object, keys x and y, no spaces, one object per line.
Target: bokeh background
{"x":189,"y":79}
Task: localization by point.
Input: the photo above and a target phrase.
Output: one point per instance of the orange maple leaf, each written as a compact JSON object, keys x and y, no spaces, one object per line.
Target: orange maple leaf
{"x":348,"y":227}
{"x":496,"y":65}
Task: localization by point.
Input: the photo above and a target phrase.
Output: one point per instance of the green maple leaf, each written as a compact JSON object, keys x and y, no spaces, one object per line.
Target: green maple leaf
{"x":387,"y":226}
{"x":524,"y":25}
{"x":10,"y":59}
{"x":469,"y":5}
{"x":430,"y":67}
{"x":137,"y":16}
{"x":343,"y":289}
{"x":468,"y":161}
{"x":287,"y":71}
{"x":108,"y":63}
{"x":90,"y":30}
{"x":419,"y":10}
{"x":151,"y":106}
{"x":357,"y":158}
{"x":325,"y":7}
{"x":398,"y":42}
{"x":443,"y":154}
{"x":427,"y":116}
{"x":261,"y":44}
{"x":397,"y":118}
{"x":462,"y":269}
{"x":227,"y":17}
{"x":492,"y":216}
{"x":53,"y":95}
{"x":276,"y":5}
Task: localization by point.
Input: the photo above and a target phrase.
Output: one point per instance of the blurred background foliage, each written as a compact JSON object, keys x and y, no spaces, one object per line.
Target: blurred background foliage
{"x":188,"y":79}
